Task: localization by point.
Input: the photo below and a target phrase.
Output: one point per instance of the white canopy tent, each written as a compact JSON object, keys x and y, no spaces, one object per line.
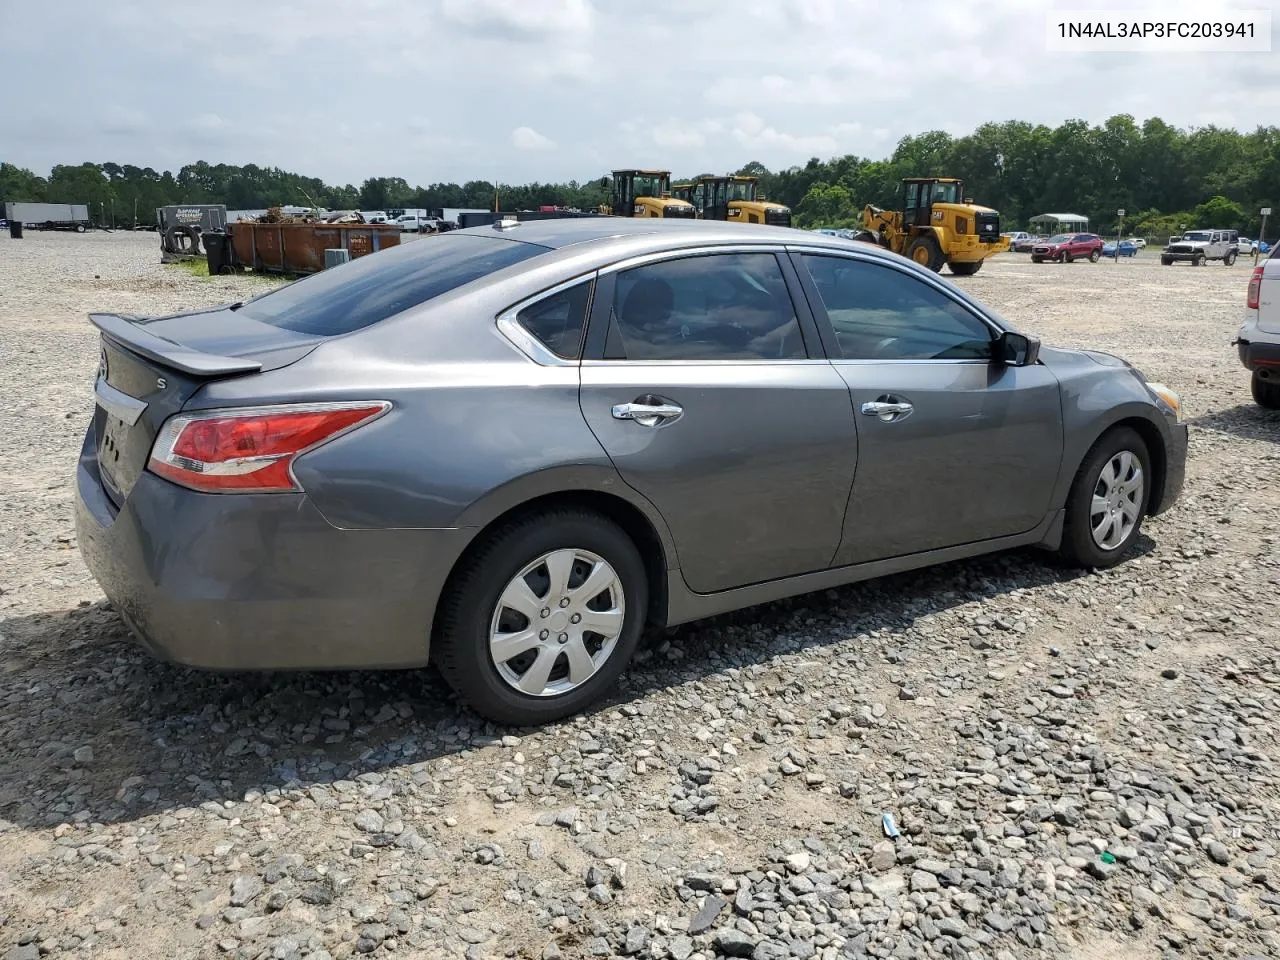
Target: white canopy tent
{"x":1060,"y":222}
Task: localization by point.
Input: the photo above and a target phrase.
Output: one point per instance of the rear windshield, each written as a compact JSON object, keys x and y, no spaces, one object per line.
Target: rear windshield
{"x":374,"y":287}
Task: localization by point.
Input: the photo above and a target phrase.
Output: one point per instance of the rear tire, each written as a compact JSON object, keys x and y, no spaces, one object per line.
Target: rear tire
{"x":1105,"y":506}
{"x":1266,"y":393}
{"x":1095,"y":256}
{"x":475,"y":610}
{"x":1230,"y":258}
{"x":965,"y":269}
{"x":925,"y":252}
{"x":1166,"y":261}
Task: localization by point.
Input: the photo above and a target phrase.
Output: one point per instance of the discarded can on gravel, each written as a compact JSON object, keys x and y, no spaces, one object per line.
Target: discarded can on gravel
{"x":890,"y":830}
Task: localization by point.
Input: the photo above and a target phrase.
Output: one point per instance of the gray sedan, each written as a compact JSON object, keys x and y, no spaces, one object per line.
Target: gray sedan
{"x":509,"y":448}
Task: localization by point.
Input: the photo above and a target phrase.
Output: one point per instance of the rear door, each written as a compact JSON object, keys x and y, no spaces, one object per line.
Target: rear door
{"x":953,"y":448}
{"x":704,"y":382}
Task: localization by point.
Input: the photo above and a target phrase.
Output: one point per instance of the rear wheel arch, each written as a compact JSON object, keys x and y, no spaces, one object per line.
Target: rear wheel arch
{"x":652,"y":543}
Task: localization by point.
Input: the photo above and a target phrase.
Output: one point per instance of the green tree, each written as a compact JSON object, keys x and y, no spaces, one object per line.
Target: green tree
{"x":1219,"y":212}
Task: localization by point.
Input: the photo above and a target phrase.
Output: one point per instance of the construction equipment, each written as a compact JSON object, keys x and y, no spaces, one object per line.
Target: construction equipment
{"x":736,"y":199}
{"x":646,"y":193}
{"x":683,"y":191}
{"x":938,"y":225}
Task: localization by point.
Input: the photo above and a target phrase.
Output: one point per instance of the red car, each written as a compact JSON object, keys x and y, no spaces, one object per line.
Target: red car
{"x":1066,"y":247}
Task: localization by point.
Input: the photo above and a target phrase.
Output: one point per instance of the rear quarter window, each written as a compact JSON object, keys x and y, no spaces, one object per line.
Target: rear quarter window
{"x":375,"y":287}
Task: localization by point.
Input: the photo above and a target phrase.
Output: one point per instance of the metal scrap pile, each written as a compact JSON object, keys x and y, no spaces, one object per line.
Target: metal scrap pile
{"x":277,"y":215}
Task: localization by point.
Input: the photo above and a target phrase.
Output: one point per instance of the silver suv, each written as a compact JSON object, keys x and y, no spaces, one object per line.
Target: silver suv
{"x":1197,"y":246}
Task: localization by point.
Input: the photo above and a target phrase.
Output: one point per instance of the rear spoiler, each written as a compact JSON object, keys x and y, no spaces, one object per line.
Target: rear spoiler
{"x":129,"y":333}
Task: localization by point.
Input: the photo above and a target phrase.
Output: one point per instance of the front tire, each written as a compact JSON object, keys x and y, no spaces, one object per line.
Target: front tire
{"x":1166,"y":261}
{"x":1037,"y":259}
{"x":1266,"y":393}
{"x":1198,"y":261}
{"x":965,"y":269}
{"x":542,"y":618}
{"x":1107,"y":501}
{"x":925,"y":252}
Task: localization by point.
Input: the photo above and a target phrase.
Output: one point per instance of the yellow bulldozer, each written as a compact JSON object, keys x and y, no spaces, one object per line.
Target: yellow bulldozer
{"x":937,"y":226}
{"x":735,"y":199}
{"x":645,"y":193}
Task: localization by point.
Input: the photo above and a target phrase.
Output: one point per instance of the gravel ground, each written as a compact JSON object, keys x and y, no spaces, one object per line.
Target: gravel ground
{"x":1078,"y":765}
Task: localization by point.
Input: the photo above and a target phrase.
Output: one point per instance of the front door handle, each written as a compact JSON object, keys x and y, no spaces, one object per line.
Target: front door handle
{"x":886,"y":409}
{"x":647,"y":414}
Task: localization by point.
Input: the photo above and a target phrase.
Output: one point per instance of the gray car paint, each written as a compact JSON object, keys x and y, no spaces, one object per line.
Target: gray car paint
{"x":478,"y":428}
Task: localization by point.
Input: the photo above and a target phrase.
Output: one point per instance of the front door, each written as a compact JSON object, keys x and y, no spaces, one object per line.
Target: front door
{"x":917,"y":199}
{"x":953,"y":448}
{"x":702,"y":392}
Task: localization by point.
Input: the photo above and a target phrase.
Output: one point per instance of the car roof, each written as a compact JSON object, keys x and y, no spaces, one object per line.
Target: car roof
{"x":562,"y":231}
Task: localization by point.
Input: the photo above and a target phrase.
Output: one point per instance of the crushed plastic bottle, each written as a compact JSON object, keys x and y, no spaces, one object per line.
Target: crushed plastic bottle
{"x":1107,"y":857}
{"x":886,"y":820}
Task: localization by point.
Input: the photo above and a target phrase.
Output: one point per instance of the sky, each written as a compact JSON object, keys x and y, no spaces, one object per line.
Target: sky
{"x":515,"y":91}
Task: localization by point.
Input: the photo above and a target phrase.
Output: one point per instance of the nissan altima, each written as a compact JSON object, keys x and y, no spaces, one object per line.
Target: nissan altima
{"x":507,"y":449}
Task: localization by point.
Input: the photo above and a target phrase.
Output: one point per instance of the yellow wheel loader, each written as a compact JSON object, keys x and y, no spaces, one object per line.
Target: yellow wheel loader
{"x":937,"y":226}
{"x":736,"y":199}
{"x":645,"y":193}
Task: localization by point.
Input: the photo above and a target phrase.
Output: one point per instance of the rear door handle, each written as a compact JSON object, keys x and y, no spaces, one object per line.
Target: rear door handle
{"x":647,"y":414}
{"x":887,"y":410}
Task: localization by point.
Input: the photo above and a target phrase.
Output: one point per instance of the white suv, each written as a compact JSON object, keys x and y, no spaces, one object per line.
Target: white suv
{"x":1259,"y":338}
{"x":1197,"y":246}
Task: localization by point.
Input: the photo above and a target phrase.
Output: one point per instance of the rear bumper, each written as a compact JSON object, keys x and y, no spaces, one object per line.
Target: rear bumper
{"x":1256,"y":355}
{"x":259,"y":582}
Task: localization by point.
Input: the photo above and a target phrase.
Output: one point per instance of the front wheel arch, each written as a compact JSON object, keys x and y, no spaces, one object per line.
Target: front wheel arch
{"x":1154,"y":440}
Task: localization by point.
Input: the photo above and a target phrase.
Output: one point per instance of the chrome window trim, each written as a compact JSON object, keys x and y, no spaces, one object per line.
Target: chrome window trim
{"x":742,"y":362}
{"x":509,"y":324}
{"x":682,"y":253}
{"x":928,"y":281}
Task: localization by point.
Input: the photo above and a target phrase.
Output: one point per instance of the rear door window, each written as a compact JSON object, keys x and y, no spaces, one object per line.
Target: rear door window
{"x":718,"y":307}
{"x":374,"y":287}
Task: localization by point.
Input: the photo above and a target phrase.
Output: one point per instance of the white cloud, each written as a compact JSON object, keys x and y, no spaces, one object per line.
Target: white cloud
{"x":772,"y":89}
{"x":516,"y":19}
{"x":527,"y":138}
{"x":581,"y":86}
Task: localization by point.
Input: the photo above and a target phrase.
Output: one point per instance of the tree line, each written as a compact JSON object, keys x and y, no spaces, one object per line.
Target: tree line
{"x":1163,"y":177}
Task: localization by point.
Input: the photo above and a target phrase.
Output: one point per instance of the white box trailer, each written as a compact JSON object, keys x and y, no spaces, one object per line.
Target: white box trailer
{"x":49,"y":216}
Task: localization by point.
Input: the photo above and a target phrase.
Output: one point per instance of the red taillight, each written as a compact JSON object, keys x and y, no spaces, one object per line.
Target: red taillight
{"x":251,"y":449}
{"x":1255,"y":285}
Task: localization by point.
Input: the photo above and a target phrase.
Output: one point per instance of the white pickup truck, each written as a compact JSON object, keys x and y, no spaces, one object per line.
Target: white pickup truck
{"x":1259,"y":338}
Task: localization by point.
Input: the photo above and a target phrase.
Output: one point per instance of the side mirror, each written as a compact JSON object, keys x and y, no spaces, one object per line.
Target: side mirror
{"x":1017,"y":349}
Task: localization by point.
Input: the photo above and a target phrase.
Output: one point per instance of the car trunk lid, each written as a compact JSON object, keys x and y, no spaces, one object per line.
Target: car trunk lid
{"x":150,"y":367}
